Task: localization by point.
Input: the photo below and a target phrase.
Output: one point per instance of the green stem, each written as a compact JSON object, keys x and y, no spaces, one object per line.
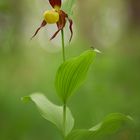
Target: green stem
{"x":64,"y":120}
{"x":64,"y":105}
{"x":63,"y":45}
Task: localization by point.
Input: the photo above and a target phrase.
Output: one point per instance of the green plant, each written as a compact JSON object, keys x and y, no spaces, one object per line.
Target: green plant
{"x":70,"y":75}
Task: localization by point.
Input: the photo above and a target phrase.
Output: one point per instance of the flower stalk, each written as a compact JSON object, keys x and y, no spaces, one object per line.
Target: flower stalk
{"x":63,"y":45}
{"x":64,"y":104}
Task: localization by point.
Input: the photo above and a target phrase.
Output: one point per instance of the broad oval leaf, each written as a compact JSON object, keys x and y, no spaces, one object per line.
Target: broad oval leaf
{"x":51,"y":112}
{"x":72,"y":73}
{"x":110,"y":125}
{"x":68,"y":6}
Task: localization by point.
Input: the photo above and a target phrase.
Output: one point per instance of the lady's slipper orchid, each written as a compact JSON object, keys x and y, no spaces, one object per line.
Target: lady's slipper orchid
{"x":56,"y":15}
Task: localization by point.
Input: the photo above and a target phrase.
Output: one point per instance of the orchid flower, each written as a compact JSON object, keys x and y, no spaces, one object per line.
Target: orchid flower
{"x":55,"y":16}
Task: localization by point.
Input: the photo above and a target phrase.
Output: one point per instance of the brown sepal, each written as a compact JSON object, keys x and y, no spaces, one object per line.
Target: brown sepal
{"x":42,"y":25}
{"x":70,"y":27}
{"x":54,"y":3}
{"x":61,"y":23}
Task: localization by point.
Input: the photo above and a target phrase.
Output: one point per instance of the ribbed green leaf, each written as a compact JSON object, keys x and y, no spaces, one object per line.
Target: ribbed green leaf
{"x":110,"y":125}
{"x":51,"y":112}
{"x":68,"y":6}
{"x":72,"y":73}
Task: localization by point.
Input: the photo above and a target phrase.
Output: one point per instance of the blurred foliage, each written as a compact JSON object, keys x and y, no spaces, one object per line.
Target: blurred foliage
{"x":29,"y":66}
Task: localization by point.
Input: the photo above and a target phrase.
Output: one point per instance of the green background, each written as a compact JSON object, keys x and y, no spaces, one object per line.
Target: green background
{"x":113,"y":82}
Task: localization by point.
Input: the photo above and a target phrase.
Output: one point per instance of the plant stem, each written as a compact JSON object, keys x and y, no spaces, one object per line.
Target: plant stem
{"x":64,"y":105}
{"x":63,"y":45}
{"x":64,"y":120}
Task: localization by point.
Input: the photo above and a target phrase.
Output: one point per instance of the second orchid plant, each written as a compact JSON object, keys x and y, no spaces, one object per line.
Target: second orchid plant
{"x":70,"y":75}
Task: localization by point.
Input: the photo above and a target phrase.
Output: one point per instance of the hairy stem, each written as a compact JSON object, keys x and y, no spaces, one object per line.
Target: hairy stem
{"x":63,"y":45}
